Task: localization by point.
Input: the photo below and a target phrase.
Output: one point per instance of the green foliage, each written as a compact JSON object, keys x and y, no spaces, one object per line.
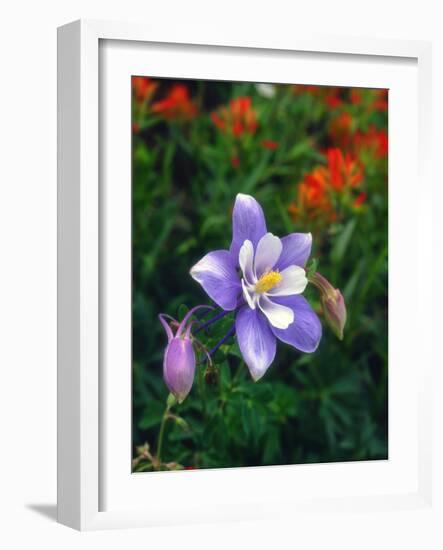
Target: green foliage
{"x":327,"y":406}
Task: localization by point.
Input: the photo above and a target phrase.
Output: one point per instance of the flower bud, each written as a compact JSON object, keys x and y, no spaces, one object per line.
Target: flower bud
{"x":179,"y":367}
{"x":179,"y":358}
{"x":334,"y":309}
{"x":333,"y":304}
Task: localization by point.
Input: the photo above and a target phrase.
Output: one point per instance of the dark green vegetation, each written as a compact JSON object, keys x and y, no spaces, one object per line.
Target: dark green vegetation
{"x":187,"y":169}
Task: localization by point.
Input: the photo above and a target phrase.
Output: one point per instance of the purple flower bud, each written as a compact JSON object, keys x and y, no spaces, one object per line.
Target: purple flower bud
{"x":179,"y":367}
{"x":334,"y":309}
{"x":333,"y":304}
{"x":179,"y":358}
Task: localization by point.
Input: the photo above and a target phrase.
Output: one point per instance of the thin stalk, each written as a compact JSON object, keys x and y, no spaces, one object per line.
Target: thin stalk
{"x":210,"y":321}
{"x":161,"y":434}
{"x":223,"y":340}
{"x":201,"y":390}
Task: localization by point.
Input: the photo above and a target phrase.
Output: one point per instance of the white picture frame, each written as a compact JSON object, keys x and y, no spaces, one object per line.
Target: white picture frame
{"x":81,"y":413}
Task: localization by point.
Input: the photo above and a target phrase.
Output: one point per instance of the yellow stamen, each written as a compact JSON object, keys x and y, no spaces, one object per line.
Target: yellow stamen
{"x":267,"y":281}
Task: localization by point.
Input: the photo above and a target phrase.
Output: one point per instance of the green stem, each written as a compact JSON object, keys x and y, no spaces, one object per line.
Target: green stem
{"x":201,"y":390}
{"x":161,"y":434}
{"x":323,"y":285}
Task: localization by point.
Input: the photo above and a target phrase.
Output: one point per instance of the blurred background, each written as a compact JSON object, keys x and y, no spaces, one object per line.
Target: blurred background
{"x":316,"y":158}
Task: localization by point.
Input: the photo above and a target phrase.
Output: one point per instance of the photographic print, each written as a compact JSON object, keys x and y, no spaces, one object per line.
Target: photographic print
{"x":259,"y":274}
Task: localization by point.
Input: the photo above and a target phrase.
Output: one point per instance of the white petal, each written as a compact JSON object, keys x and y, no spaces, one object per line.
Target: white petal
{"x":267,"y":254}
{"x":247,"y":294}
{"x":279,"y":316}
{"x":246,"y":261}
{"x":293,"y":281}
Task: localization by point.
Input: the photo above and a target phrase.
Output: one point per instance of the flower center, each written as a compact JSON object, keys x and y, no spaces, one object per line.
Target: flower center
{"x":267,"y":281}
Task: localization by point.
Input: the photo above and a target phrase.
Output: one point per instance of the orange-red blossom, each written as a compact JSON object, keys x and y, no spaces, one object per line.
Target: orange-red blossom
{"x":343,"y":134}
{"x":237,"y":119}
{"x":373,"y":140}
{"x":319,"y":189}
{"x":143,"y":88}
{"x":177,"y":105}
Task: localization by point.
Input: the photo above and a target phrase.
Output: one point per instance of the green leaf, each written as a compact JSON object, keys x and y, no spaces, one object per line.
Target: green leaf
{"x":186,"y":245}
{"x":235,"y":351}
{"x":152,"y":415}
{"x":342,"y":241}
{"x":272,"y":446}
{"x":299,"y":149}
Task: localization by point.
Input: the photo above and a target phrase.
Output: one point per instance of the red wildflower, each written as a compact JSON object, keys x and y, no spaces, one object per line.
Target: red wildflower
{"x":306,"y":88}
{"x":344,"y":171}
{"x":360,"y":200}
{"x":237,"y":128}
{"x":355,"y":96}
{"x":237,"y":119}
{"x":270,"y":144}
{"x":235,"y":162}
{"x":219,"y":122}
{"x":340,"y":129}
{"x":324,"y":184}
{"x":333,"y":101}
{"x":143,"y":88}
{"x":382,"y":144}
{"x":313,"y":199}
{"x":381,"y":100}
{"x":374,"y":141}
{"x":177,"y":105}
{"x":329,"y":94}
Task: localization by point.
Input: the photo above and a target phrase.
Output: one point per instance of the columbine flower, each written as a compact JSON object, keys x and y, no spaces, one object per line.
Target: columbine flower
{"x":261,"y":277}
{"x":179,"y":357}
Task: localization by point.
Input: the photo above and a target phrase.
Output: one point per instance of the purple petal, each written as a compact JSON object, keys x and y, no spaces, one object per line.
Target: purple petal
{"x":296,"y":250}
{"x":186,"y":318}
{"x":256,"y":341}
{"x":163,"y":317}
{"x":248,"y":223}
{"x":217,"y":274}
{"x":305,"y":332}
